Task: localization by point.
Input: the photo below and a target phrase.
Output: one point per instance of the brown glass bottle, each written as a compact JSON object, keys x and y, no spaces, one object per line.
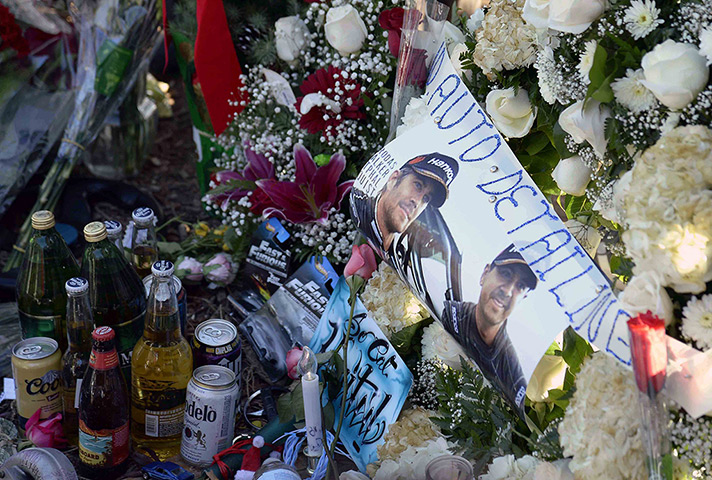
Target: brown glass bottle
{"x":76,"y":358}
{"x":47,"y":264}
{"x":103,"y":411}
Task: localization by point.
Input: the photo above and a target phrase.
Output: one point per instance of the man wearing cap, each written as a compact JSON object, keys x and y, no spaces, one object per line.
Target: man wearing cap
{"x":422,"y":181}
{"x":481,"y":328}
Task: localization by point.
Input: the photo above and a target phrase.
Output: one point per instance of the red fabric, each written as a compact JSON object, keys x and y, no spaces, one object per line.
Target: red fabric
{"x":216,"y":64}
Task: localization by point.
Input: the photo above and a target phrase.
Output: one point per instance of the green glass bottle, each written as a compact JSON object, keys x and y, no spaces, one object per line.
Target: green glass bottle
{"x":118,"y":298}
{"x":76,"y":358}
{"x":47,"y":264}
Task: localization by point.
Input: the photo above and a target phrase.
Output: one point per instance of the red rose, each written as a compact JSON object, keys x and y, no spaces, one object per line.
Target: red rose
{"x":648,"y":348}
{"x":391,"y":20}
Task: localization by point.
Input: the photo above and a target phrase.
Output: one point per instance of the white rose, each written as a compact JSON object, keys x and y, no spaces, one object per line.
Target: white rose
{"x":458,"y":50}
{"x":536,"y":13}
{"x":586,"y":235}
{"x":574,"y":16}
{"x":512,"y":114}
{"x":548,"y":374}
{"x":586,"y":123}
{"x":291,"y":36}
{"x":675,"y":73}
{"x":279,"y":88}
{"x":344,"y":29}
{"x":572,"y":175}
{"x":437,"y":344}
{"x":705,"y":44}
{"x":645,"y":292}
{"x":501,"y":468}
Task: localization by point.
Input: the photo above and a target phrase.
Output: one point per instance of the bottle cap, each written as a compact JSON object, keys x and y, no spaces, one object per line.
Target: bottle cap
{"x":143,"y":216}
{"x":76,"y":285}
{"x":42,"y":220}
{"x":94,"y":232}
{"x":113,"y":227}
{"x":162,"y":268}
{"x":103,"y":334}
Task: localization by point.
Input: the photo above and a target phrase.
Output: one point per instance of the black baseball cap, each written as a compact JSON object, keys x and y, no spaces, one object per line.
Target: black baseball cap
{"x":510,"y":256}
{"x":439,"y":168}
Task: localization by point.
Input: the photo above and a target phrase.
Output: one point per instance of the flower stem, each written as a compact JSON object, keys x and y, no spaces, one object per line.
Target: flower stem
{"x":345,"y":346}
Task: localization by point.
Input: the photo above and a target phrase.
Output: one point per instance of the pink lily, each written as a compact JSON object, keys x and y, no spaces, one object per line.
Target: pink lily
{"x":313,"y":194}
{"x":258,"y":167}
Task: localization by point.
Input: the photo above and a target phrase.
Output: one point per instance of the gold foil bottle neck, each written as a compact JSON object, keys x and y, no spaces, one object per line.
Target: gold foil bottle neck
{"x":95,"y":232}
{"x":42,"y":220}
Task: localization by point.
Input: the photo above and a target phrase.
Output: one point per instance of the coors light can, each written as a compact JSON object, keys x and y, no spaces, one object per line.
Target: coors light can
{"x":209,"y":421}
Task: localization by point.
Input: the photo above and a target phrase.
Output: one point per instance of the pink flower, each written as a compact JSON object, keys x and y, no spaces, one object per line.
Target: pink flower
{"x":189,"y":268}
{"x":258,"y":168}
{"x":293,"y":357}
{"x":362,"y":262}
{"x":220,"y":269}
{"x":312,"y":195}
{"x":46,"y":433}
{"x":391,"y":20}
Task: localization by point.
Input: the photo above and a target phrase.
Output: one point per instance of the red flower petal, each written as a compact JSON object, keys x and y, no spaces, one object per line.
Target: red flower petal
{"x":304,"y":165}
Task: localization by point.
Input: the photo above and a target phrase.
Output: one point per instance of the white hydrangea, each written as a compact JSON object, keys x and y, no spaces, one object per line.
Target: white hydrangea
{"x":504,"y":40}
{"x":697,"y":321}
{"x":668,"y":209}
{"x":601,"y":426}
{"x":441,"y":347}
{"x":641,"y":18}
{"x":390,"y":302}
{"x":631,"y":93}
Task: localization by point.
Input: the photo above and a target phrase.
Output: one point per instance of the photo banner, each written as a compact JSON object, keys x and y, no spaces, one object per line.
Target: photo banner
{"x":450,"y":208}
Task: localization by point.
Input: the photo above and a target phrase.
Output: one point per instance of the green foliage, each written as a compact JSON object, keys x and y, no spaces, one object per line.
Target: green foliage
{"x":407,"y":341}
{"x":477,"y":418}
{"x":600,"y":86}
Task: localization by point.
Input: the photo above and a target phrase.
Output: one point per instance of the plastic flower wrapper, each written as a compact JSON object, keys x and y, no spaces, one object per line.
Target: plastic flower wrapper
{"x":423,"y":22}
{"x":648,"y":348}
{"x":116,"y":39}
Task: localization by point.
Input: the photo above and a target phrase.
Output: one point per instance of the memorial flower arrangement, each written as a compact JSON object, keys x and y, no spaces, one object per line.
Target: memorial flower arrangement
{"x":315,"y":103}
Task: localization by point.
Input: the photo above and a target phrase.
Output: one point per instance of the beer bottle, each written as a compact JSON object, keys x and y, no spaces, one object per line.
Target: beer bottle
{"x":76,"y":358}
{"x":103,"y":411}
{"x":161,"y":367}
{"x":144,"y":250}
{"x":47,"y":264}
{"x":117,"y":296}
{"x":114,"y":230}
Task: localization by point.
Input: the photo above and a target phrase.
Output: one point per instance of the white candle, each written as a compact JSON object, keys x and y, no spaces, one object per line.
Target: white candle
{"x":312,"y":402}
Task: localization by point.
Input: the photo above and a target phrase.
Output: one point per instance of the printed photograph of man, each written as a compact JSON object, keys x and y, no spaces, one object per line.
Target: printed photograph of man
{"x":481,"y":328}
{"x":422,"y":181}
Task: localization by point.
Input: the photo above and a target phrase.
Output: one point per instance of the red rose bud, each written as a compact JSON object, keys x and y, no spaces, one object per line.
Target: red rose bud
{"x":648,"y":348}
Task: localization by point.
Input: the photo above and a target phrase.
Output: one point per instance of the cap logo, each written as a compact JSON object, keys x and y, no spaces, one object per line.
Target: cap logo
{"x":76,"y":282}
{"x":444,"y":166}
{"x":142,"y":212}
{"x":112,"y":224}
{"x":163,"y":265}
{"x":102,"y":330}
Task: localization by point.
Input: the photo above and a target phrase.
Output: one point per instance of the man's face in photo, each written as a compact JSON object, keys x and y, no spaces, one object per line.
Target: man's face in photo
{"x":406,"y":196}
{"x":502,"y":287}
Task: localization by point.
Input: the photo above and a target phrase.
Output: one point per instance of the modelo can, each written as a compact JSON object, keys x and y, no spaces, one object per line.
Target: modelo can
{"x":209,"y":420}
{"x":215,"y":342}
{"x":37,"y":370}
{"x":180,"y":294}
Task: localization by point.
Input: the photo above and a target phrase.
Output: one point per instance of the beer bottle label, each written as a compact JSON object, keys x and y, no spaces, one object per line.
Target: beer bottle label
{"x":103,"y":448}
{"x":69,"y":394}
{"x":103,"y":360}
{"x":41,"y":326}
{"x":166,"y":423}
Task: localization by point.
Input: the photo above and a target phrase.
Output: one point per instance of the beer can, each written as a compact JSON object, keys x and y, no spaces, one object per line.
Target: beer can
{"x":180,"y":294}
{"x":37,"y":370}
{"x":215,"y":342}
{"x":209,"y":420}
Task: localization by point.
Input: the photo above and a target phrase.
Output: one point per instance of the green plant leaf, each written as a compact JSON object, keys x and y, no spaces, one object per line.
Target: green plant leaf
{"x":169,"y":249}
{"x":600,"y":87}
{"x":576,"y":349}
{"x":404,"y":339}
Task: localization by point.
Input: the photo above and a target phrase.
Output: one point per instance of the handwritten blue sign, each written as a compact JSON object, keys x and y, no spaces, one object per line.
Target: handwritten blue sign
{"x":378,"y":381}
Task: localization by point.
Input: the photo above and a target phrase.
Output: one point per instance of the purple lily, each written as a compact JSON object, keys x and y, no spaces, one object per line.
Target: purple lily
{"x":258,"y":168}
{"x":313,"y":194}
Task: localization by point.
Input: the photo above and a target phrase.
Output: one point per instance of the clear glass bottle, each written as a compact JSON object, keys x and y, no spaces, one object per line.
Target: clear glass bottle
{"x":114,"y":231}
{"x":103,"y":411}
{"x":161,"y":367}
{"x":76,"y":359}
{"x":46,"y":265}
{"x":144,"y":248}
{"x":273,"y":469}
{"x":117,"y":296}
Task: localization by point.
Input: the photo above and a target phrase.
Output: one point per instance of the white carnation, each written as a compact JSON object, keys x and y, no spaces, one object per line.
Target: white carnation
{"x":586,"y":60}
{"x":631,"y":93}
{"x":697,"y":321}
{"x":416,"y":112}
{"x":601,"y":428}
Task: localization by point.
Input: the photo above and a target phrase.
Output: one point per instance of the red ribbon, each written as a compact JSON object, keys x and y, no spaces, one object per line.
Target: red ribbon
{"x":241,"y":447}
{"x":216,"y":64}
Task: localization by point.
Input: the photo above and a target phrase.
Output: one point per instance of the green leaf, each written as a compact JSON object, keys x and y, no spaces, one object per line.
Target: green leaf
{"x":575,"y":205}
{"x":322,"y":358}
{"x":404,"y":340}
{"x":575,"y":350}
{"x":535,"y":143}
{"x":600,"y":87}
{"x":169,"y":249}
{"x":559,"y":143}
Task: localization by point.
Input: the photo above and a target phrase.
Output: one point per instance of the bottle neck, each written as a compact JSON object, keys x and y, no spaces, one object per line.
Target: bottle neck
{"x":143,"y":235}
{"x":103,"y":356}
{"x":162,"y":320}
{"x":79,"y":322}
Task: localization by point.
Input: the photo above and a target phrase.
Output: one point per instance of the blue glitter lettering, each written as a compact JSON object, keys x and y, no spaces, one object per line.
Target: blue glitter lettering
{"x":621,"y":342}
{"x":441,"y":89}
{"x":494,"y":137}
